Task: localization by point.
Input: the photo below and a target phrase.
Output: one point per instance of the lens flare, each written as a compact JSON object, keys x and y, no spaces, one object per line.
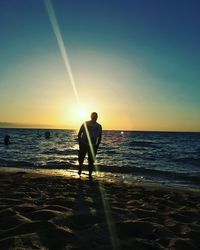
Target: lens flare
{"x":55,"y":26}
{"x":54,"y":23}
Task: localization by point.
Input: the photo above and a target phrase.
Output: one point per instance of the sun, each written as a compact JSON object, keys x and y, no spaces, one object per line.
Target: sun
{"x":81,"y":113}
{"x":73,"y":115}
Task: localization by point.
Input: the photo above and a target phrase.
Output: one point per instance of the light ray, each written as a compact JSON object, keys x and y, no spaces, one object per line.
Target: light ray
{"x":54,"y":23}
{"x":55,"y":26}
{"x":89,"y":141}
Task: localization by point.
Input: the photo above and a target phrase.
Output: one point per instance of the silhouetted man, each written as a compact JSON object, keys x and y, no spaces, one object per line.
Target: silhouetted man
{"x":89,"y":138}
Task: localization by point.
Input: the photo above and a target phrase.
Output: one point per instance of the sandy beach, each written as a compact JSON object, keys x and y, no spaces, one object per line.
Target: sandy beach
{"x":54,"y":212}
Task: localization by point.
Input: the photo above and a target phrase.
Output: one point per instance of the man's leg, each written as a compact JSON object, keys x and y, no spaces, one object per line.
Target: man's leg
{"x":91,"y":161}
{"x":81,"y":157}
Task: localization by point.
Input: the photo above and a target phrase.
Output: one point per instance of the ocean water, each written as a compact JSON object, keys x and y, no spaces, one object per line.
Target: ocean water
{"x":167,"y":157}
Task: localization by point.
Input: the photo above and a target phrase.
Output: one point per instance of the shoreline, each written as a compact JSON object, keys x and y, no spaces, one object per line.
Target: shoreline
{"x":39,"y":211}
{"x":110,"y":174}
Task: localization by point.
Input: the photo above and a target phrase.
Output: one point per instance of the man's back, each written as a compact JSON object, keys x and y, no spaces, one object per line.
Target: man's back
{"x":94,"y":129}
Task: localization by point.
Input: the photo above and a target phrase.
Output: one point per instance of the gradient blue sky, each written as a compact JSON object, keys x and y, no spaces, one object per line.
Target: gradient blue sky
{"x":135,"y":62}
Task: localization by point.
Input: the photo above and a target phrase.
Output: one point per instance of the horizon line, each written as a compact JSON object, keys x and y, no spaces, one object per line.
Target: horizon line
{"x":8,"y":125}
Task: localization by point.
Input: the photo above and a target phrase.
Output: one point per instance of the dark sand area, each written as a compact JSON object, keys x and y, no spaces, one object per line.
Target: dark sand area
{"x":54,"y":212}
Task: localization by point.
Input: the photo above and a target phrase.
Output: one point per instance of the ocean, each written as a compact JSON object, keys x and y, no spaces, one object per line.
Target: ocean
{"x":171,"y":158}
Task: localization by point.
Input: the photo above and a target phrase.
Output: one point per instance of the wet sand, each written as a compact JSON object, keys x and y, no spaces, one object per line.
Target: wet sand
{"x":55,"y":212}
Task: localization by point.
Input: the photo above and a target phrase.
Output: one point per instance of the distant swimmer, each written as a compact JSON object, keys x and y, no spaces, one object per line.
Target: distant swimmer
{"x":89,"y":138}
{"x":47,"y":134}
{"x":7,"y":140}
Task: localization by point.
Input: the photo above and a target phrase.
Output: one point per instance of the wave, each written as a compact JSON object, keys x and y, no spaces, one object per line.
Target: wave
{"x":150,"y":174}
{"x":25,"y":164}
{"x":189,"y":160}
{"x":153,"y":173}
{"x":57,"y":165}
{"x":60,"y":152}
{"x":10,"y":163}
{"x":112,"y":152}
{"x":141,"y":144}
{"x":162,"y":176}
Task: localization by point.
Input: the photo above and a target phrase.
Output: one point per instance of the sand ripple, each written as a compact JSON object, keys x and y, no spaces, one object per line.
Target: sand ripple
{"x":46,"y":212}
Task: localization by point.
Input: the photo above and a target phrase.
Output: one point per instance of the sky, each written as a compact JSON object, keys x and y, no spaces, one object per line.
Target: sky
{"x":135,"y":62}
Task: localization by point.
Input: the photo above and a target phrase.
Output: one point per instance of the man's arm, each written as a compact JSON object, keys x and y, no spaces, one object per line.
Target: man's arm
{"x":99,"y":137}
{"x":80,"y":133}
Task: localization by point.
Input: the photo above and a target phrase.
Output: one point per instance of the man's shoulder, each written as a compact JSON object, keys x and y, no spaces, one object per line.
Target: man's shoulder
{"x":99,"y":125}
{"x":93,"y":124}
{"x":87,"y":123}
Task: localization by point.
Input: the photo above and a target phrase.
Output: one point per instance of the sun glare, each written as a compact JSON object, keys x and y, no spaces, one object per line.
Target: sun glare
{"x":81,"y":113}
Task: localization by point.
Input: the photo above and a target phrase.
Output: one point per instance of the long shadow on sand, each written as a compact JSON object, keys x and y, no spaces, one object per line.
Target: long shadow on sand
{"x":51,"y":213}
{"x":54,"y":212}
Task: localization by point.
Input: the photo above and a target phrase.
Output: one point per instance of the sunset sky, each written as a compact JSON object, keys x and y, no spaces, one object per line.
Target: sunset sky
{"x":135,"y":62}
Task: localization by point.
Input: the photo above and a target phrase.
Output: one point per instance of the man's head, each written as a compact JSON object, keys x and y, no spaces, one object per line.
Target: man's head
{"x":94,"y":116}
